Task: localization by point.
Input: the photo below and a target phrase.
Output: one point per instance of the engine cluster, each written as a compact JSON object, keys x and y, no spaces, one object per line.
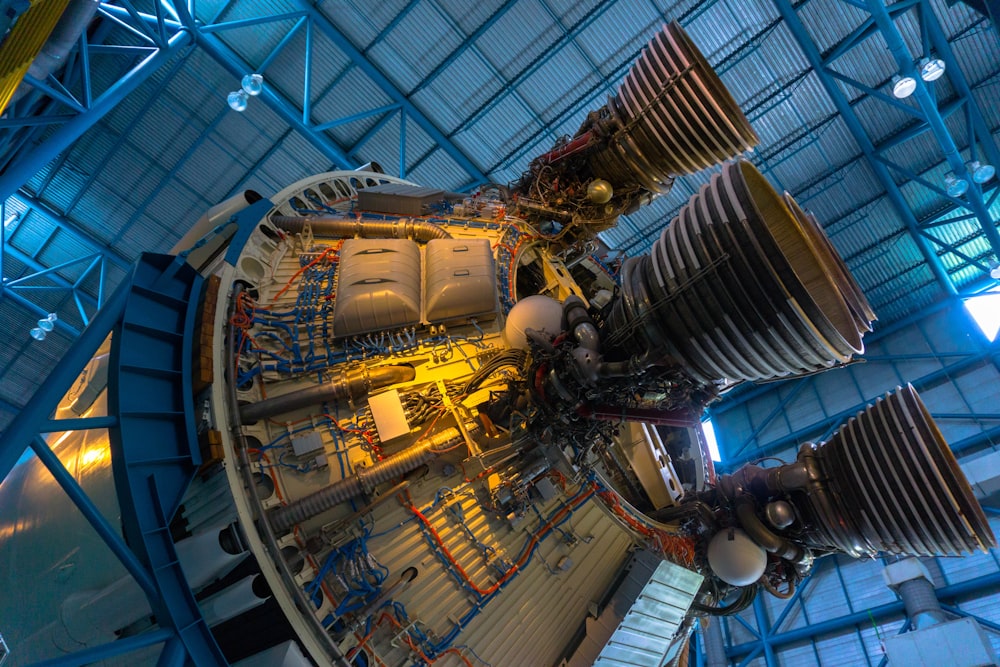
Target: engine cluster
{"x":467,"y":375}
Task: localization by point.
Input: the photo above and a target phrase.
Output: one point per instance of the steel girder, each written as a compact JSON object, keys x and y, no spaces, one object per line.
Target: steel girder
{"x":772,"y":637}
{"x":68,"y":100}
{"x":928,"y":117}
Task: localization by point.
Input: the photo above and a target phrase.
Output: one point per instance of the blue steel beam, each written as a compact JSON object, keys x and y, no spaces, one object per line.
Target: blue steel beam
{"x":38,"y":311}
{"x":764,"y":631}
{"x":976,"y":586}
{"x":36,"y":412}
{"x":803,"y":435}
{"x":893,"y":192}
{"x":925,"y":98}
{"x":566,"y":38}
{"x":236,"y":66}
{"x":25,"y":165}
{"x":466,"y":44}
{"x":409,"y":110}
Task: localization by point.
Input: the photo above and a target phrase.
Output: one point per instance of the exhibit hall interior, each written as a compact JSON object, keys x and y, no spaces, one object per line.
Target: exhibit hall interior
{"x":521,"y":333}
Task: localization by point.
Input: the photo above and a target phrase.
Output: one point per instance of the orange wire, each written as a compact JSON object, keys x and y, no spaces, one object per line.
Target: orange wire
{"x":288,"y":285}
{"x":522,"y":561}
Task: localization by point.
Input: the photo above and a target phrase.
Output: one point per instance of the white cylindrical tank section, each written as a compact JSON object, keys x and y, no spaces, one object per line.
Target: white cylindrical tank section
{"x":93,"y":617}
{"x":283,"y":655}
{"x":210,"y":555}
{"x":213,"y":217}
{"x":538,"y":312}
{"x":239,"y":598}
{"x":736,"y":558}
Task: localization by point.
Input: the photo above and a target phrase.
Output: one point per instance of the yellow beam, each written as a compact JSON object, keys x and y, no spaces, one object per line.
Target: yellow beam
{"x":24,"y":42}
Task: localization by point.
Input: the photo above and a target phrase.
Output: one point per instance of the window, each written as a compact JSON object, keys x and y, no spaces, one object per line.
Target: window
{"x":985,"y":310}
{"x":713,"y":444}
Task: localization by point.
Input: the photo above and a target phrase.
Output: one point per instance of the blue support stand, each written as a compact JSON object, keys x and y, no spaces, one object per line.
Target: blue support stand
{"x":151,"y":425}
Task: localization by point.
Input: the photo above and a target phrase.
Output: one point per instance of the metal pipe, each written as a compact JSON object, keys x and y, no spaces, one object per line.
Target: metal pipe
{"x":366,"y":479}
{"x":759,"y":533}
{"x":407,"y":228}
{"x":351,"y":384}
{"x":715,"y":643}
{"x":61,"y":40}
{"x":921,"y":603}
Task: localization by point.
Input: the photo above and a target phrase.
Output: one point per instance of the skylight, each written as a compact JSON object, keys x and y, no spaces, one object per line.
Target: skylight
{"x":985,"y":310}
{"x":713,"y":445}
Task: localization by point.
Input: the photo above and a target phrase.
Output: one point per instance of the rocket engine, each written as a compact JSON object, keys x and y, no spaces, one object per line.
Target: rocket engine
{"x":424,"y":417}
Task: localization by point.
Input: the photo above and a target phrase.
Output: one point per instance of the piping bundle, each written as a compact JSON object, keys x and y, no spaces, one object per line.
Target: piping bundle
{"x":404,"y":228}
{"x":674,"y":115}
{"x":737,"y":287}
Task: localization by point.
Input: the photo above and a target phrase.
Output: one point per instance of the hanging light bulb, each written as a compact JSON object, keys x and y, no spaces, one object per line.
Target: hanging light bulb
{"x":903,"y":86}
{"x":47,"y":323}
{"x":252,"y":84}
{"x":931,"y":69}
{"x":954,"y":186}
{"x":237,"y":100}
{"x":981,"y":173}
{"x":38,"y":333}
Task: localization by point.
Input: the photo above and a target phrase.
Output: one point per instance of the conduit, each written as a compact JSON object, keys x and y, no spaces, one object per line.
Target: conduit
{"x":366,"y":479}
{"x":350,"y":384}
{"x":405,"y":228}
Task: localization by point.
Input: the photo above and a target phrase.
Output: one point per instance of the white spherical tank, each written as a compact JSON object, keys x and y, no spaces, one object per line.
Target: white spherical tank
{"x":735,"y":558}
{"x":538,"y":312}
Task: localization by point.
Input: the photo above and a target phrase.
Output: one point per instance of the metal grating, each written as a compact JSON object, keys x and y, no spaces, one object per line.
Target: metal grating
{"x":644,"y":635}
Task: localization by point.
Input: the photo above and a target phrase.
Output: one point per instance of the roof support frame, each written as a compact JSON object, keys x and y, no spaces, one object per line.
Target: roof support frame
{"x":899,"y":203}
{"x":863,"y":617}
{"x":25,"y":165}
{"x":407,"y":108}
{"x":825,"y":426}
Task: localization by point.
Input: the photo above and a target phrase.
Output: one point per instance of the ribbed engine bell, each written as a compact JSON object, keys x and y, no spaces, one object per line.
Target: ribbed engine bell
{"x":894,"y":485}
{"x":675,"y":116}
{"x":861,"y":310}
{"x":738,"y":287}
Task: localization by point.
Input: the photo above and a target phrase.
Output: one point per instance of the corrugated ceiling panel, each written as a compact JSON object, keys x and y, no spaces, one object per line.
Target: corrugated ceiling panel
{"x":571,"y":11}
{"x":618,"y":33}
{"x":840,"y":649}
{"x":352,"y":93}
{"x":235,"y":11}
{"x":107,"y":209}
{"x":546,"y":90}
{"x":469,"y":16}
{"x":362,"y":24}
{"x":465,"y":86}
{"x":286,"y":73}
{"x":256,"y":42}
{"x":416,"y":45}
{"x":509,"y":113}
{"x":440,"y":170}
{"x":518,"y":38}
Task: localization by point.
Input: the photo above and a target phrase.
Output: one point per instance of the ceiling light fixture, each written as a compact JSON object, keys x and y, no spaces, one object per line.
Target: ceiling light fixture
{"x":903,"y":86}
{"x":45,"y":325}
{"x":252,"y":84}
{"x":931,"y":69}
{"x":981,"y":173}
{"x":237,"y":100}
{"x":954,"y":186}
